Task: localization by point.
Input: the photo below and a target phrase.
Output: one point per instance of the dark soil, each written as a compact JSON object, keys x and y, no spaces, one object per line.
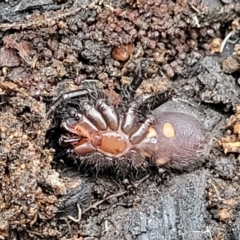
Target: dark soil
{"x":50,"y":47}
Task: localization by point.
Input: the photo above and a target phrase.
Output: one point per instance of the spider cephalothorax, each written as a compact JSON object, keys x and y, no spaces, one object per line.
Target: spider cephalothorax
{"x":95,"y":131}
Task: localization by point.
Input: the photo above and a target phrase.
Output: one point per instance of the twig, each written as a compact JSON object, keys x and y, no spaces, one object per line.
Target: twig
{"x":35,"y":233}
{"x":204,"y":232}
{"x":141,"y":181}
{"x":216,"y":190}
{"x":38,"y":22}
{"x":76,"y":220}
{"x":101,"y":201}
{"x":224,"y":42}
{"x":194,"y":8}
{"x":69,"y":227}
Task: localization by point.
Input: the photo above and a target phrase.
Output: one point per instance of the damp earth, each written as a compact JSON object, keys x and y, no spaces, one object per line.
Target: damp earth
{"x":50,"y":47}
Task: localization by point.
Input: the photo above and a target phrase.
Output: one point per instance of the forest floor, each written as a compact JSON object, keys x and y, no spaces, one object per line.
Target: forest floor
{"x":50,"y":47}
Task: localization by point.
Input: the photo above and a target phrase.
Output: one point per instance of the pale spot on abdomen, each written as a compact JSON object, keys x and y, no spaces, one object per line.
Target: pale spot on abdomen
{"x":182,"y":140}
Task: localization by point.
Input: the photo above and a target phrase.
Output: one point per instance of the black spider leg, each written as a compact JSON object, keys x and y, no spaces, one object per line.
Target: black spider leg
{"x":133,"y":86}
{"x":153,"y":101}
{"x":67,"y":96}
{"x":89,"y":87}
{"x":89,"y":83}
{"x":128,"y":91}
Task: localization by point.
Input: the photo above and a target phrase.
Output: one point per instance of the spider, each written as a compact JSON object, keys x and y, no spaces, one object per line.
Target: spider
{"x":95,"y":131}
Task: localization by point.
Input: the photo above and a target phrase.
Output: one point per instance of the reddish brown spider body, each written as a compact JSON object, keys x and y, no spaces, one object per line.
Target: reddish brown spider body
{"x":101,"y":129}
{"x":95,"y":132}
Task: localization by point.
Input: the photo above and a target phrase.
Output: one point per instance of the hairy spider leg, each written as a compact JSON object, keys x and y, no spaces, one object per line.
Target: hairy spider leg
{"x":133,"y":86}
{"x":83,"y":147}
{"x":65,"y":141}
{"x":129,"y":119}
{"x":91,"y":87}
{"x":67,"y":96}
{"x":153,"y":101}
{"x":142,"y":130}
{"x":128,"y":91}
{"x":94,"y":116}
{"x":109,"y":113}
{"x":159,"y":99}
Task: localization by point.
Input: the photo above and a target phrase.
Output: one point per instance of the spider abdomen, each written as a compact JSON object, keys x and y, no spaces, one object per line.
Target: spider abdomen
{"x":182,"y":140}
